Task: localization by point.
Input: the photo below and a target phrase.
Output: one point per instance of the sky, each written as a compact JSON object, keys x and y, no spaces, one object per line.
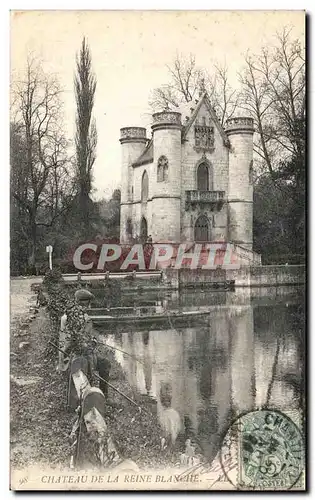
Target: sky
{"x":130,"y":53}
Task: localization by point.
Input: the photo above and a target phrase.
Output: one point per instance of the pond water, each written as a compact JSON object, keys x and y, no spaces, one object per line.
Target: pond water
{"x":247,"y":353}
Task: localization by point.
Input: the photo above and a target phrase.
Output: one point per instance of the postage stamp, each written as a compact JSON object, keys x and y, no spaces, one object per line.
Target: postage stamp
{"x":157,"y":246}
{"x":269,"y":449}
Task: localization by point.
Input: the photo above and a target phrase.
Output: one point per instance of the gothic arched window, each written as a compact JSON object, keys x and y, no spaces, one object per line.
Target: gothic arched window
{"x":250,"y":173}
{"x":144,"y":187}
{"x":203,"y":177}
{"x":129,"y":227}
{"x":162,"y":169}
{"x":143,"y":230}
{"x":202,"y":229}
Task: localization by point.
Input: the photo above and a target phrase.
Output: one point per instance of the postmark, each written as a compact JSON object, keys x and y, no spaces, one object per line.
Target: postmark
{"x":268,"y":448}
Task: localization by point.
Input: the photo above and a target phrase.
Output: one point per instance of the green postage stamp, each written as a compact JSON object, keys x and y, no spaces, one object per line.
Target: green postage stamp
{"x":269,"y":449}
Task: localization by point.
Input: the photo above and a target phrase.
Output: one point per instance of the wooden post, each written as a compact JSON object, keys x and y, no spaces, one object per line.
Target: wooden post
{"x":78,"y":365}
{"x":49,"y":250}
{"x":92,"y":413}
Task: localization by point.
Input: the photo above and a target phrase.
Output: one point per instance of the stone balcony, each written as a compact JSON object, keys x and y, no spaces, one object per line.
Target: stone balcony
{"x":213,"y":198}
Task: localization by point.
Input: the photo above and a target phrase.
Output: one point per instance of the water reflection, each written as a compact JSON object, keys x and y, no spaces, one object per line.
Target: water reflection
{"x":246,"y":355}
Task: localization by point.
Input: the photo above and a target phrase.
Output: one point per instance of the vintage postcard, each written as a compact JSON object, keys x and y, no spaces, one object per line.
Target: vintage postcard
{"x":157,"y":189}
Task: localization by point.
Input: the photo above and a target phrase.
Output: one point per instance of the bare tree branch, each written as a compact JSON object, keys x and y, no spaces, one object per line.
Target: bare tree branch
{"x":273,"y":92}
{"x":186,"y":83}
{"x":39,"y":151}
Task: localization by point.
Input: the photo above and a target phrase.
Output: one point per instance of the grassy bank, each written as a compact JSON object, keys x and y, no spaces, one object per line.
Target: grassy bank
{"x":40,"y":420}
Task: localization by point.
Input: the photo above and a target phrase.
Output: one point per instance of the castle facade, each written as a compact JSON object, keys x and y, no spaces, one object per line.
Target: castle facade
{"x":191,"y":181}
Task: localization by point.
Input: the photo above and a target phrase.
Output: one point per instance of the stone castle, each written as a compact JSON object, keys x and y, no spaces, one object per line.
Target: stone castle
{"x":192,"y":181}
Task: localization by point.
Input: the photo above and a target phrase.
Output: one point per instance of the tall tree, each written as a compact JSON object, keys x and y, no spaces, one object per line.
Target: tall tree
{"x":273,"y":84}
{"x":273,"y":93}
{"x":41,"y":173}
{"x":187,"y":80}
{"x":86,"y":133}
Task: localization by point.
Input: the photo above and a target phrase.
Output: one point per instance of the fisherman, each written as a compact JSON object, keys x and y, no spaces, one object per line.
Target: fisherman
{"x":76,"y":337}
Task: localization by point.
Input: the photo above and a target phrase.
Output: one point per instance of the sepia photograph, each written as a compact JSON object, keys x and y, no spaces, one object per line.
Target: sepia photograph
{"x":158,"y":250}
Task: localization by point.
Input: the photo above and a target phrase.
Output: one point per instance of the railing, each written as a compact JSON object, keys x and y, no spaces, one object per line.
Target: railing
{"x":247,"y":254}
{"x":205,"y":196}
{"x":108,"y":275}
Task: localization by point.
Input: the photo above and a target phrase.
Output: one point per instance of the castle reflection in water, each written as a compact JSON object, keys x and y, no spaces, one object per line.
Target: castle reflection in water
{"x":247,"y":354}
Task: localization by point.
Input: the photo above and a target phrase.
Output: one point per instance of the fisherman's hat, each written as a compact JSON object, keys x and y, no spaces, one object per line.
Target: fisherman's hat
{"x":83,"y":296}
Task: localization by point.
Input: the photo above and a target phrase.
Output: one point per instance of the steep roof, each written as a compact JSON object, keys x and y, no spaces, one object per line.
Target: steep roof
{"x":146,"y":156}
{"x":190,"y":110}
{"x":204,"y":98}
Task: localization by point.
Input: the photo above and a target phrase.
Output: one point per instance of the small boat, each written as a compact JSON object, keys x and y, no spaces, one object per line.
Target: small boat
{"x":100,"y":319}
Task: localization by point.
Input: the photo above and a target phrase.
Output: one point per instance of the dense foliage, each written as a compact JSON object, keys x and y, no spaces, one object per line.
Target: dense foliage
{"x":61,"y":301}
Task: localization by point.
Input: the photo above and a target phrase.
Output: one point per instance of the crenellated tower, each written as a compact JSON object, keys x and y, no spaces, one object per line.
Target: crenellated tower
{"x":240,"y":195}
{"x":166,"y":180}
{"x":133,"y":141}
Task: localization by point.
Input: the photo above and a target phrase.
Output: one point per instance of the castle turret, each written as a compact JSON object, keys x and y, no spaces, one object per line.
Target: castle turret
{"x":240,"y":197}
{"x":133,"y":141}
{"x":166,"y":182}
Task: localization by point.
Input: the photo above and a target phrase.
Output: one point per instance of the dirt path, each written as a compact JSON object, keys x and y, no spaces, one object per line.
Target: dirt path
{"x":39,"y":420}
{"x":21,"y":296}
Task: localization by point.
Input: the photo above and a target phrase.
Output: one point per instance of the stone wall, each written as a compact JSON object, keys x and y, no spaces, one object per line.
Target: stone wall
{"x":245,"y":276}
{"x":268,"y":275}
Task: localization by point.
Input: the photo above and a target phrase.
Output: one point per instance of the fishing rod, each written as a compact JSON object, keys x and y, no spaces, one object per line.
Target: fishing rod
{"x":117,"y":349}
{"x":56,"y":347}
{"x":121,"y":393}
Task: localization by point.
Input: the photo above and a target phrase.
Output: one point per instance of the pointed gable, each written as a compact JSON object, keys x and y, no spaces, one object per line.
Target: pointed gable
{"x":204,"y":99}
